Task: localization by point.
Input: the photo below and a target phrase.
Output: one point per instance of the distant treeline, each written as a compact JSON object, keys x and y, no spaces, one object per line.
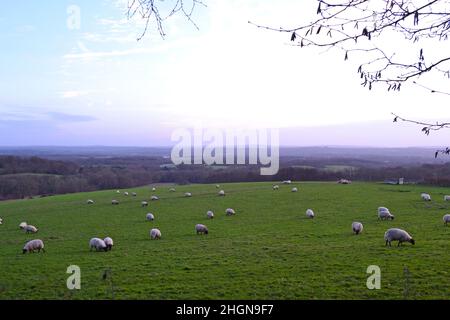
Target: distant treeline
{"x":22,"y":177}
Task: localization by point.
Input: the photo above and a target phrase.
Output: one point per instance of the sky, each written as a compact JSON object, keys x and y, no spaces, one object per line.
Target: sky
{"x":94,"y":84}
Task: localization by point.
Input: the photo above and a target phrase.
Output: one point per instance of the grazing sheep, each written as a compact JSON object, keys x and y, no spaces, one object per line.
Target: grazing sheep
{"x":154,"y":198}
{"x":134,"y":194}
{"x":344,"y":181}
{"x":97,"y":244}
{"x":221,"y":193}
{"x":446,"y":219}
{"x":118,"y":191}
{"x":90,"y":201}
{"x":276,"y":187}
{"x":126,"y":193}
{"x":425,"y":197}
{"x":287,"y":182}
{"x":33,"y":245}
{"x":150,"y":217}
{"x":210,"y":215}
{"x":230,"y":212}
{"x":399,"y":235}
{"x":109,"y":243}
{"x":23,"y":225}
{"x":294,"y":190}
{"x":114,"y":202}
{"x":446,"y":198}
{"x":153,"y":189}
{"x":155,"y":234}
{"x":217,"y":186}
{"x":144,"y":204}
{"x":1,"y":220}
{"x":172,"y":190}
{"x":380,"y":209}
{"x":384,"y":214}
{"x":201,"y":229}
{"x":188,"y":194}
{"x":30,"y":229}
{"x":357,"y":227}
{"x":310,"y":213}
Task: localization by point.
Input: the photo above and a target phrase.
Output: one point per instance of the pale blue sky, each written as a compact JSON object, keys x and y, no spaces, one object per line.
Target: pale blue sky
{"x":98,"y":85}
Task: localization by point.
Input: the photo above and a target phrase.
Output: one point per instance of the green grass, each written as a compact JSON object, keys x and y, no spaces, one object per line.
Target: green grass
{"x":269,"y":250}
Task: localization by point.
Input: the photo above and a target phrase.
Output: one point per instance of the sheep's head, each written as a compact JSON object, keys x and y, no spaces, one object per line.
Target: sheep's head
{"x":412,"y":241}
{"x":391,"y":217}
{"x":206,"y":231}
{"x":24,"y":251}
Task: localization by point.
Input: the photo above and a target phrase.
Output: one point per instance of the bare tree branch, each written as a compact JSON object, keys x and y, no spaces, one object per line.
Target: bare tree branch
{"x":151,"y":11}
{"x":427,"y":127}
{"x":353,"y":26}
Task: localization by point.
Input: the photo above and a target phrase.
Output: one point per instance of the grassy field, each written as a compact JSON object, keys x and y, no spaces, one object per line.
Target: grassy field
{"x":269,"y":250}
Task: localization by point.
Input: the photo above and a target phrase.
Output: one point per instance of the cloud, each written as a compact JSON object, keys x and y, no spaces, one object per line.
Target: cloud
{"x":64,"y":117}
{"x":73,"y":94}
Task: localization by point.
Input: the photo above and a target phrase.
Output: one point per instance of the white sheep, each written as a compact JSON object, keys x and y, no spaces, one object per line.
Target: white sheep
{"x":217,"y":186}
{"x":153,"y":189}
{"x":33,"y":245}
{"x":97,"y":244}
{"x":134,"y":194}
{"x":446,"y":198}
{"x":287,"y":182}
{"x":380,"y":209}
{"x":155,"y":234}
{"x":90,"y":201}
{"x":230,"y":212}
{"x":114,"y":202}
{"x":310,"y":213}
{"x":210,"y":214}
{"x":201,"y":229}
{"x":357,"y":227}
{"x":425,"y":197}
{"x":276,"y":187}
{"x":150,"y":217}
{"x":118,"y":191}
{"x":109,"y":243}
{"x":188,"y":194}
{"x":126,"y":193}
{"x":30,"y":229}
{"x":221,"y":193}
{"x":446,"y":219}
{"x":399,"y":235}
{"x":172,"y":190}
{"x":1,"y":220}
{"x":23,"y":225}
{"x":154,"y":198}
{"x":144,"y":204}
{"x":384,"y":214}
{"x":294,"y":189}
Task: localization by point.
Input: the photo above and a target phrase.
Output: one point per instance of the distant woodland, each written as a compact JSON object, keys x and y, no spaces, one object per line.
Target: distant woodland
{"x":23,"y":177}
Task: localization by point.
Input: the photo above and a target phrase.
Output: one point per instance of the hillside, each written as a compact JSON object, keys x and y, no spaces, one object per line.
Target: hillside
{"x":268,"y":250}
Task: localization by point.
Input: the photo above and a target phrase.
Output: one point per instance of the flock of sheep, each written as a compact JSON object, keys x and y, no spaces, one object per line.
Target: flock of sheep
{"x":106,"y":244}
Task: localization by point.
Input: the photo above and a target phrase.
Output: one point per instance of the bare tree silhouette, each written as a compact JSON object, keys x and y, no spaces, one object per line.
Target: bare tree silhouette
{"x":157,"y":11}
{"x":357,"y":27}
{"x":353,"y":26}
